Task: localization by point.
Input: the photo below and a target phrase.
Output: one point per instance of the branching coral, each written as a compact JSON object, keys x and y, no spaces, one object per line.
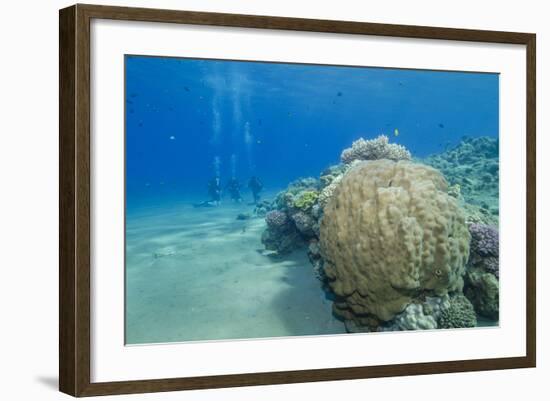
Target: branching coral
{"x":391,"y":231}
{"x":327,"y":192}
{"x":375,"y":149}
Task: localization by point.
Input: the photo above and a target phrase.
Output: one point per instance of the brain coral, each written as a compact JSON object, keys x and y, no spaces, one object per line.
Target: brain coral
{"x":391,"y":234}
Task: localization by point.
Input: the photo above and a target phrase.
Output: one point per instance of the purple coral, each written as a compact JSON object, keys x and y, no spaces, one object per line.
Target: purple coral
{"x":484,"y":240}
{"x":490,"y":264}
{"x":276,"y":220}
{"x":484,"y":248}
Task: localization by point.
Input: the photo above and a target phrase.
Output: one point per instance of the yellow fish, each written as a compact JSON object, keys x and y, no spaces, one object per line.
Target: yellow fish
{"x":396,"y":132}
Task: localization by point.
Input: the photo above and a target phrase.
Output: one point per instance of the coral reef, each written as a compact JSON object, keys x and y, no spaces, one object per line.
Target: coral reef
{"x":482,"y":289}
{"x":330,"y":179}
{"x":281,"y":234}
{"x":327,"y":192}
{"x":484,"y":239}
{"x":398,"y":245}
{"x":331,"y":173}
{"x":459,"y":314}
{"x":263,"y":207}
{"x":443,"y":312}
{"x":305,"y":199}
{"x":305,"y":223}
{"x":481,"y":284}
{"x":473,"y":165}
{"x":314,"y":255}
{"x":484,"y":248}
{"x":301,"y":191}
{"x":295,"y":219}
{"x":276,"y":220}
{"x":391,"y":233}
{"x":413,"y":318}
{"x":478,"y":214}
{"x":374,"y":149}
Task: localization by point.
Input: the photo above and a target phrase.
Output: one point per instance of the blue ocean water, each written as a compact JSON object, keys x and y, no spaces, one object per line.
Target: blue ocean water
{"x":218,"y":273}
{"x":190,"y":119}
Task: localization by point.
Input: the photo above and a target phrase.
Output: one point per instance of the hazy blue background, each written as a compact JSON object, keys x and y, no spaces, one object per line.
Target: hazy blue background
{"x":283,"y":121}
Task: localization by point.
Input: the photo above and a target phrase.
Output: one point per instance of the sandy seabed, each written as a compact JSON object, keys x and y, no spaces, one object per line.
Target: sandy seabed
{"x":197,"y":274}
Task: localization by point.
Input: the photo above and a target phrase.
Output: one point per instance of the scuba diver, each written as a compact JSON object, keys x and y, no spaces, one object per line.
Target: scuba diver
{"x":255,"y":186}
{"x":234,"y":188}
{"x":214,"y":192}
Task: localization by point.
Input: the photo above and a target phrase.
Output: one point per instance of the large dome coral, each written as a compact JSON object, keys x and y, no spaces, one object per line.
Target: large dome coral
{"x":391,"y":235}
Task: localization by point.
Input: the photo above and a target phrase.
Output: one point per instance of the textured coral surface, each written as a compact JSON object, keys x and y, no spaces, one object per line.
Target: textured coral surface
{"x":375,"y":149}
{"x":459,"y":314}
{"x":391,"y":234}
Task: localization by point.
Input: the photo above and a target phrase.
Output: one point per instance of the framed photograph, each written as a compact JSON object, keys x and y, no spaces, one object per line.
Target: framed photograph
{"x":250,"y":200}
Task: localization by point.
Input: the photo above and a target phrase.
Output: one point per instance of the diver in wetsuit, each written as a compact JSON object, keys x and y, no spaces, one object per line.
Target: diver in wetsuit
{"x":256,"y":187}
{"x":214,"y":192}
{"x":234,"y":188}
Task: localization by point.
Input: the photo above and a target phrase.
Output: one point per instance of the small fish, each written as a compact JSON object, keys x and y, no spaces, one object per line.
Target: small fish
{"x":186,"y":88}
{"x":396,"y":132}
{"x":401,"y":83}
{"x":131,"y":111}
{"x":339,"y":94}
{"x":140,"y":124}
{"x":133,"y":94}
{"x":129,"y":101}
{"x":172,"y":137}
{"x":440,"y":125}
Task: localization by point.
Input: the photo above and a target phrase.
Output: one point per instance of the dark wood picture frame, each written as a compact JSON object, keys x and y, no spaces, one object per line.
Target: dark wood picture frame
{"x":74,"y":199}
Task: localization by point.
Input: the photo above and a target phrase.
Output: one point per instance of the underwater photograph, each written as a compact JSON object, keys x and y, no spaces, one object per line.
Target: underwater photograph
{"x":271,"y":199}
